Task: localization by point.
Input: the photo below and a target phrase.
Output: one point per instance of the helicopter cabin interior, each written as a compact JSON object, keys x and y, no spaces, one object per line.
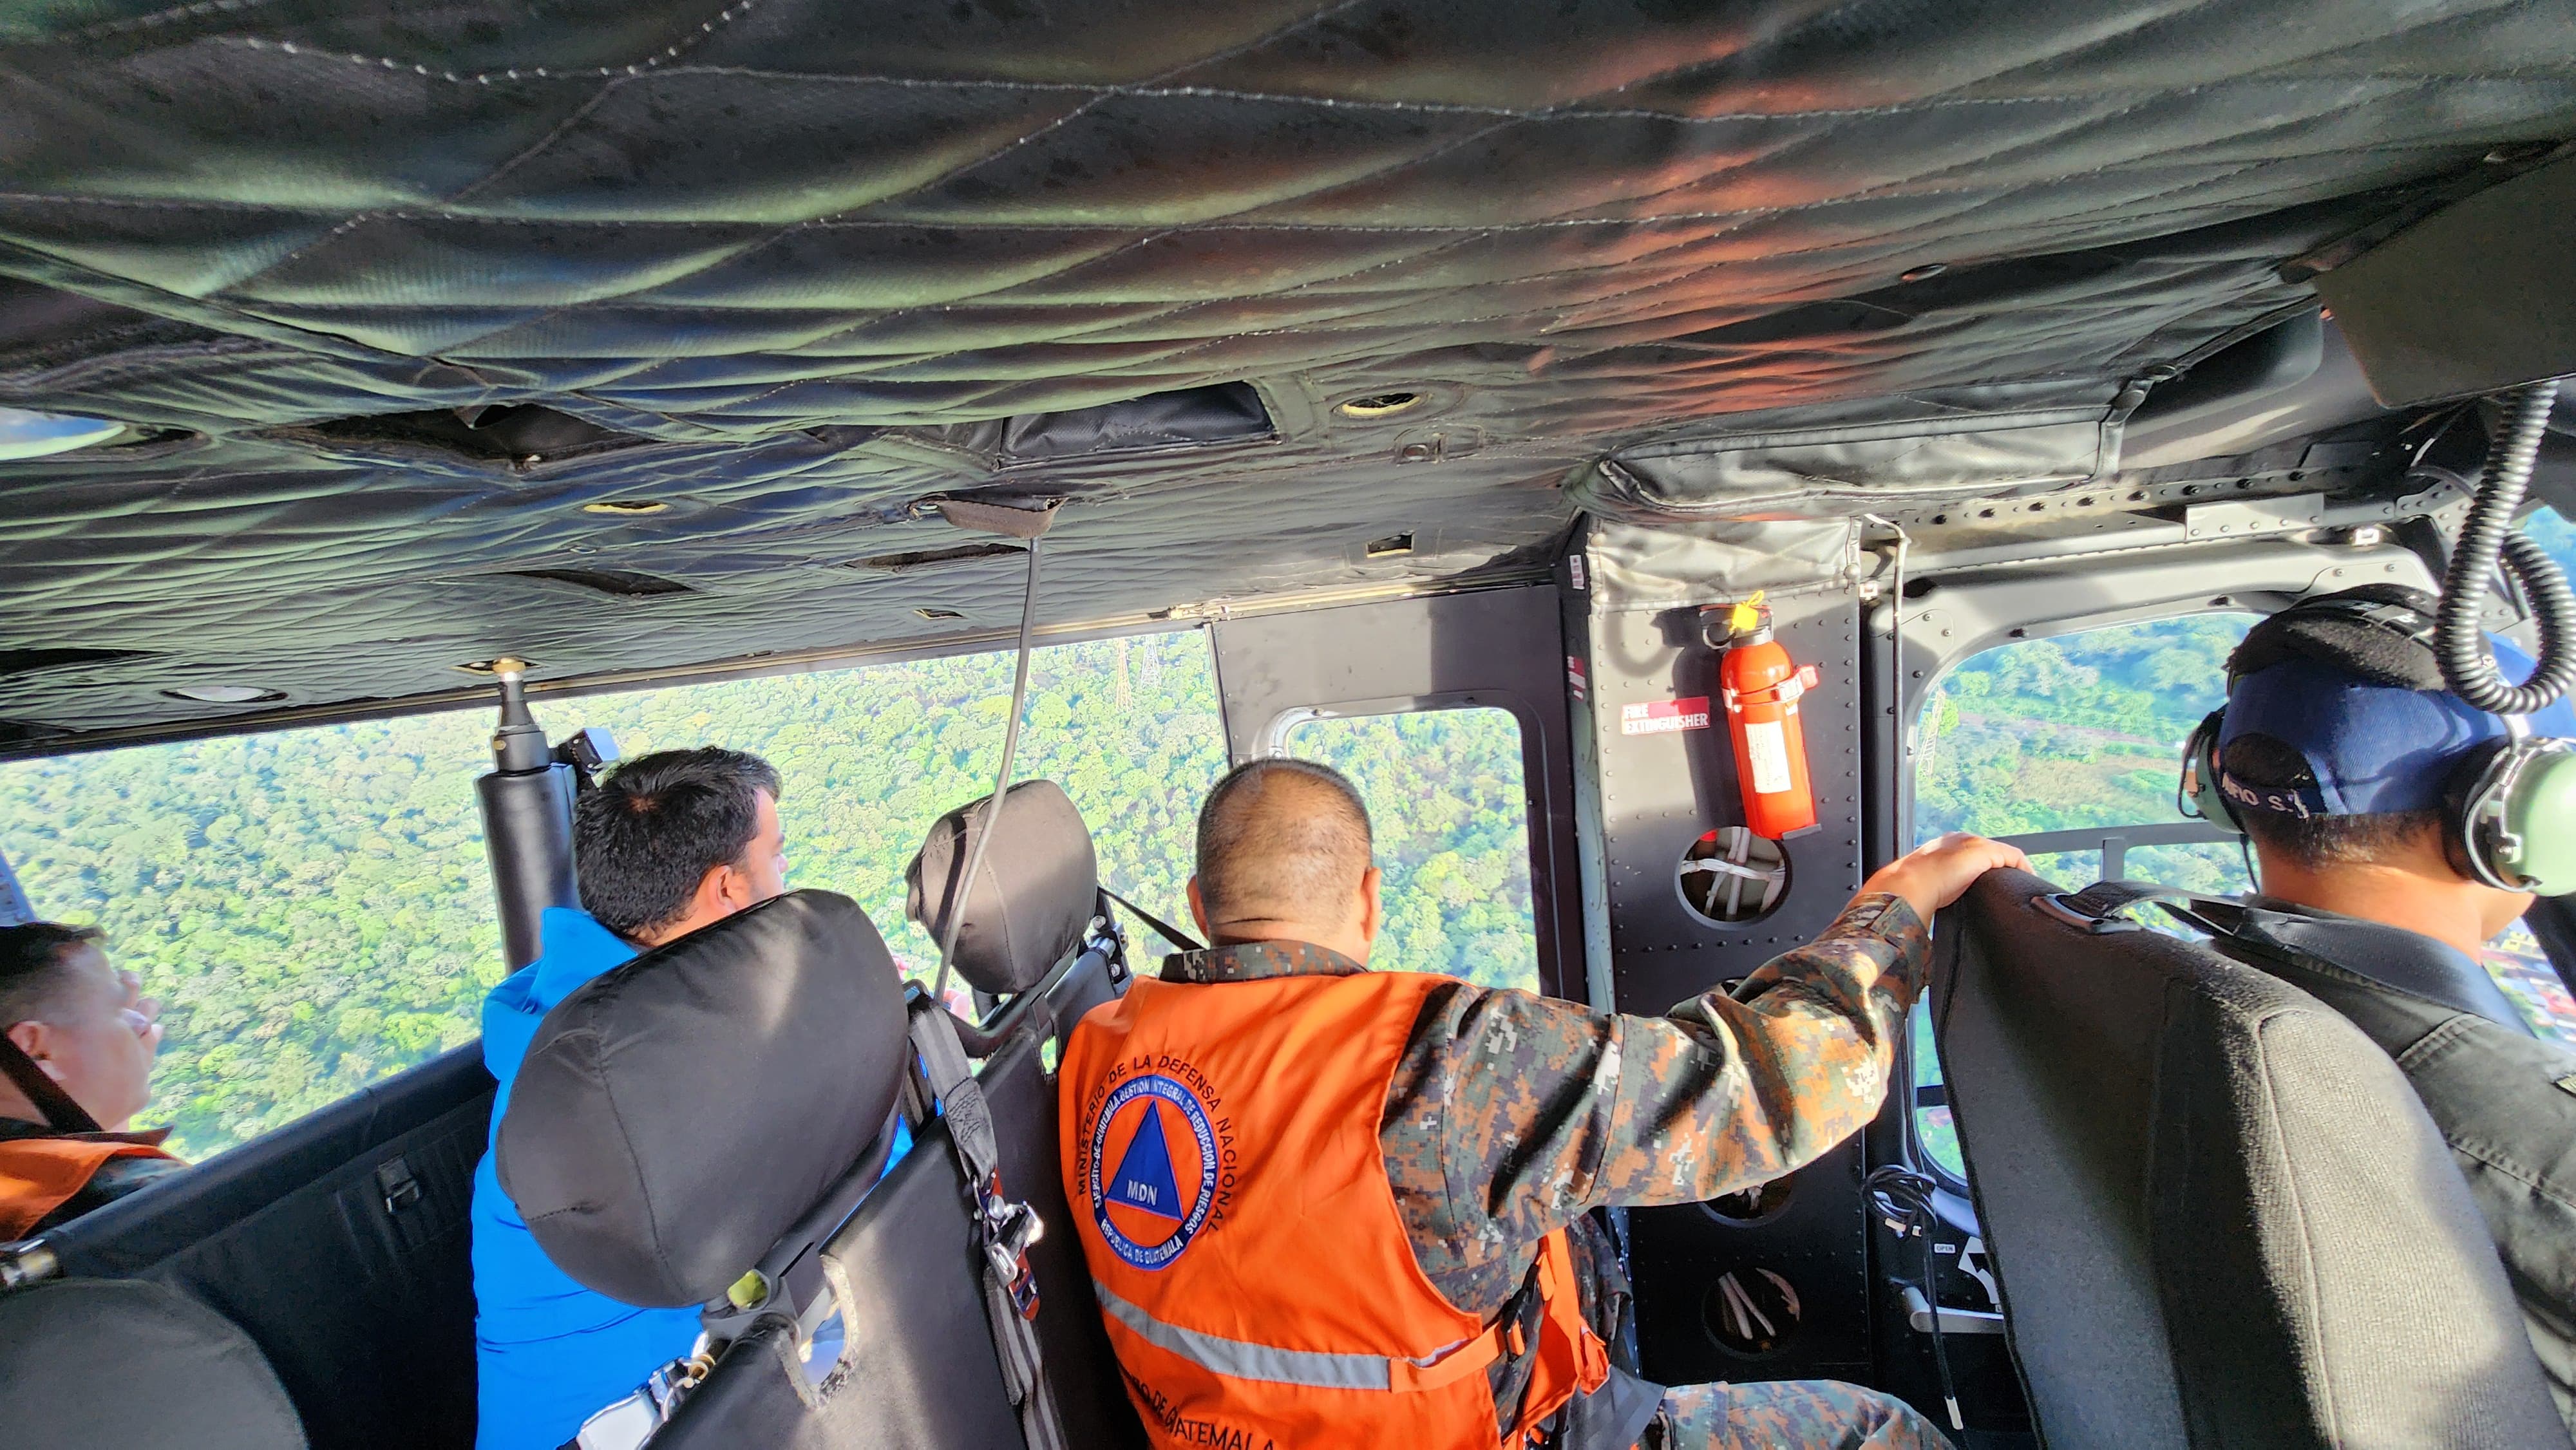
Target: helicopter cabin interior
{"x":1415,"y":385}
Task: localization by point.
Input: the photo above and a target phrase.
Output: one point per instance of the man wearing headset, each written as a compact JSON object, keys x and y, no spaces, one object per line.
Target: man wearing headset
{"x":2397,"y":829}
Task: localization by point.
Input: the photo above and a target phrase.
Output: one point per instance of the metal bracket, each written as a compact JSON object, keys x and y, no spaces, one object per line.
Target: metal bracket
{"x":2253,"y":517}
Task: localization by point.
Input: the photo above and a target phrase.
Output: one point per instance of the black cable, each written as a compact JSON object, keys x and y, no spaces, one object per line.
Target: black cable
{"x":2487,"y":538}
{"x":1906,"y":1197}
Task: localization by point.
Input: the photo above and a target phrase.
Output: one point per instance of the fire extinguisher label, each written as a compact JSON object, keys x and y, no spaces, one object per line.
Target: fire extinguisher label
{"x":1664,"y":717}
{"x":1766,"y":752}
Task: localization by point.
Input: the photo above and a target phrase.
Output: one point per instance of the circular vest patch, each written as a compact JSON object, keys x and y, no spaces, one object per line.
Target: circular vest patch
{"x":1158,"y":1152}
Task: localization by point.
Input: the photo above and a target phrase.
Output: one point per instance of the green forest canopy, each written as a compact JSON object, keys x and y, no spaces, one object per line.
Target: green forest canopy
{"x":314,"y":907}
{"x":2087,"y":730}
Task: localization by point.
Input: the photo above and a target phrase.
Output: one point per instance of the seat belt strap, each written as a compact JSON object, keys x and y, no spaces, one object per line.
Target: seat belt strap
{"x":1004,"y":1227}
{"x":1159,"y":927}
{"x":62,"y":1113}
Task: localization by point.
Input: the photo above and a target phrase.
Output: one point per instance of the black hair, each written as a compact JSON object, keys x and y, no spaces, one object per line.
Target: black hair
{"x":32,"y":966}
{"x":2315,"y":842}
{"x":1280,"y":864}
{"x":651,"y":830}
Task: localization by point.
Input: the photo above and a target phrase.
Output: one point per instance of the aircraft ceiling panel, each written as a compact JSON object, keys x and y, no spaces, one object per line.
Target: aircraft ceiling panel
{"x":788,"y":252}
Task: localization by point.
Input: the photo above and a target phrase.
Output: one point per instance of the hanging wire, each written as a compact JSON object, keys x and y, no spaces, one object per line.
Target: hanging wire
{"x":978,"y":841}
{"x":1906,"y":1197}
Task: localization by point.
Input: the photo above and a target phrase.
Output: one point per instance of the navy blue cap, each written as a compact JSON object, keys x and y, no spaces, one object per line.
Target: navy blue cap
{"x":2373,"y":748}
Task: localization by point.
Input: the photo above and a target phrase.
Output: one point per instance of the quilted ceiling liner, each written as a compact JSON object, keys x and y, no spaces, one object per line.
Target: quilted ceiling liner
{"x":783,"y":268}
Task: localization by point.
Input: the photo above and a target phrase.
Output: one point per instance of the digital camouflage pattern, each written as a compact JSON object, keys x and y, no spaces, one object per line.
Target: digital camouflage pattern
{"x":1806,"y":1414}
{"x":1510,"y":1114}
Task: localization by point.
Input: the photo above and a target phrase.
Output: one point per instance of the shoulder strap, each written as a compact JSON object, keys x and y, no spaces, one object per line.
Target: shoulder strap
{"x":1004,"y":1227}
{"x":62,"y":1114}
{"x":1160,"y":927}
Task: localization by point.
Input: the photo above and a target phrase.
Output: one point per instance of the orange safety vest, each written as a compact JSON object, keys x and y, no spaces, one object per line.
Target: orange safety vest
{"x":39,"y":1175}
{"x":1222,"y":1162}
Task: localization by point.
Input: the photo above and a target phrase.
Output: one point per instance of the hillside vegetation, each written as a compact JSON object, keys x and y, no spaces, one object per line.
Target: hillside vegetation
{"x":315,"y":909}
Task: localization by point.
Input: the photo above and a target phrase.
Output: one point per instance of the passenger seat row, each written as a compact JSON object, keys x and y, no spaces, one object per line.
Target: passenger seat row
{"x":705,"y":1125}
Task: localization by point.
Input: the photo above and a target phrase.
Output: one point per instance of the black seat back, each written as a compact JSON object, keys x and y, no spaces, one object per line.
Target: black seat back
{"x":920,"y":1372}
{"x":339,"y":1244}
{"x":91,"y":1363}
{"x":2218,"y":1214}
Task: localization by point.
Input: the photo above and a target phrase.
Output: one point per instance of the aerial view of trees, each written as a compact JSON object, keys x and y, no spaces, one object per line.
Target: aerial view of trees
{"x":315,"y":909}
{"x":2087,"y":730}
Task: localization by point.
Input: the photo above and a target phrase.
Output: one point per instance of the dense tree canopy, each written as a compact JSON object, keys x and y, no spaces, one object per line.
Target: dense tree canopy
{"x":315,"y":908}
{"x":314,"y":904}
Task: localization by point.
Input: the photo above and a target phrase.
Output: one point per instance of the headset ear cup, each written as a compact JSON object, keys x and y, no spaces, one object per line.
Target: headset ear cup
{"x":2461,"y":798}
{"x":2200,"y":774}
{"x":2542,"y":811}
{"x":2509,"y":816}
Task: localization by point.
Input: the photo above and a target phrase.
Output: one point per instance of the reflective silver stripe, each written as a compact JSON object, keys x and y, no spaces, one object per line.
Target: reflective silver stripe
{"x":1238,"y":1359}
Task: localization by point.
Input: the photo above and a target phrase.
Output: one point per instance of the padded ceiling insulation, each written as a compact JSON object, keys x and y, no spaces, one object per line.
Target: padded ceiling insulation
{"x":798,"y":264}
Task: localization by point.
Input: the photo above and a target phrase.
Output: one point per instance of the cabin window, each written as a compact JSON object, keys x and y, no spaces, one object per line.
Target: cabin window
{"x":1449,"y":803}
{"x":2083,"y":733}
{"x":314,"y":908}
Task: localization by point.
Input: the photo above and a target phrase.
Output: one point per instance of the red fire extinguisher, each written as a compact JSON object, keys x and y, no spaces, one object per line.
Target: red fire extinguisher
{"x":1761,"y":688}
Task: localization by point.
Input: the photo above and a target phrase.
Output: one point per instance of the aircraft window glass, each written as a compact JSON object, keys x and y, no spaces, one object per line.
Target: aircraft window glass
{"x":2085,"y":730}
{"x":1450,"y":809}
{"x":2080,"y":730}
{"x":2556,"y":535}
{"x":314,"y":907}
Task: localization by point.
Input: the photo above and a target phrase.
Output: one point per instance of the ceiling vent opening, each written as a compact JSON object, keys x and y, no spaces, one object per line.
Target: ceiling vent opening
{"x":616,"y":583}
{"x":931,"y":558}
{"x":28,"y":661}
{"x":225,"y":694}
{"x":1392,"y":546}
{"x":518,"y":433}
{"x":1378,"y":405}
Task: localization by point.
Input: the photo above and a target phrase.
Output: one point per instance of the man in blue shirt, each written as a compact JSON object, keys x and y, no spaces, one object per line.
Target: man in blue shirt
{"x":669,"y":843}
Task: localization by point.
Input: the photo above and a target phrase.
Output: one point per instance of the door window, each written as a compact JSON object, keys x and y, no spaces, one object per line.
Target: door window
{"x":1449,"y":805}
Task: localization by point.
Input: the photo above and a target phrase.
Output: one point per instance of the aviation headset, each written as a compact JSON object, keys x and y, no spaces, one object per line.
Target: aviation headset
{"x":2508,"y":802}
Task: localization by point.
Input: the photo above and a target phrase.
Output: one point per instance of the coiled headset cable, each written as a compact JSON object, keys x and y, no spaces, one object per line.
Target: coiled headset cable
{"x":2488,"y":538}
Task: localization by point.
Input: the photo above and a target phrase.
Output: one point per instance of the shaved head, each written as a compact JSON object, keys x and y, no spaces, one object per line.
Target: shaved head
{"x":1282,"y":841}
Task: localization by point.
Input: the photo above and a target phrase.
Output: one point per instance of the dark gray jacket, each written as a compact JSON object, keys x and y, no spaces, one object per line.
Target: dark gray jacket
{"x":2504,"y":1099}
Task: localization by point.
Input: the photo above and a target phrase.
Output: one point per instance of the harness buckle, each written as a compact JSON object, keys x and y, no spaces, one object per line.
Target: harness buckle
{"x":1009,"y":1227}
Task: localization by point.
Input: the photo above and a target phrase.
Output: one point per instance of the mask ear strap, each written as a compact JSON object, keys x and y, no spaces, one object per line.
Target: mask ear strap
{"x":62,"y":1114}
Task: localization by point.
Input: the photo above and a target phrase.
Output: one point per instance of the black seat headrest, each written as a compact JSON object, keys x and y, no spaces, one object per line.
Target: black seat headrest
{"x":676,"y":1116}
{"x":1031,"y":902}
{"x":96,"y":1362}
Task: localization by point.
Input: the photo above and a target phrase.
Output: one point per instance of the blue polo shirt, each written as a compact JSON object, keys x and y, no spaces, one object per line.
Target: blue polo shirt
{"x":548,"y":1353}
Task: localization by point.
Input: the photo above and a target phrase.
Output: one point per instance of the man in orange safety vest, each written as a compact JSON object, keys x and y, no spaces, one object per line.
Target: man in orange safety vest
{"x":1328,"y":1206}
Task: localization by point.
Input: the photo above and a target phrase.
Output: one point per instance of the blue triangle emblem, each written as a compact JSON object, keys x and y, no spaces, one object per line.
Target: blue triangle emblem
{"x":1144,"y":1181}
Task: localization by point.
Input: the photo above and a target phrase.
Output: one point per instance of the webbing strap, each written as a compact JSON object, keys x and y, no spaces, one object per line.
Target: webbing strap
{"x":62,"y":1113}
{"x":1159,"y":927}
{"x":1318,"y":1369}
{"x":1004,"y":1228}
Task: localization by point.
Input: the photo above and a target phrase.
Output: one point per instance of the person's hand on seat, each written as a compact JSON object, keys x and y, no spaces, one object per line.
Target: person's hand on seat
{"x":1937,"y":872}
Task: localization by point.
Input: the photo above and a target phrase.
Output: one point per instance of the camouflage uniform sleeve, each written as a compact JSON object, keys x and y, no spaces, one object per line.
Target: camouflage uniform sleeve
{"x":1511,"y":1113}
